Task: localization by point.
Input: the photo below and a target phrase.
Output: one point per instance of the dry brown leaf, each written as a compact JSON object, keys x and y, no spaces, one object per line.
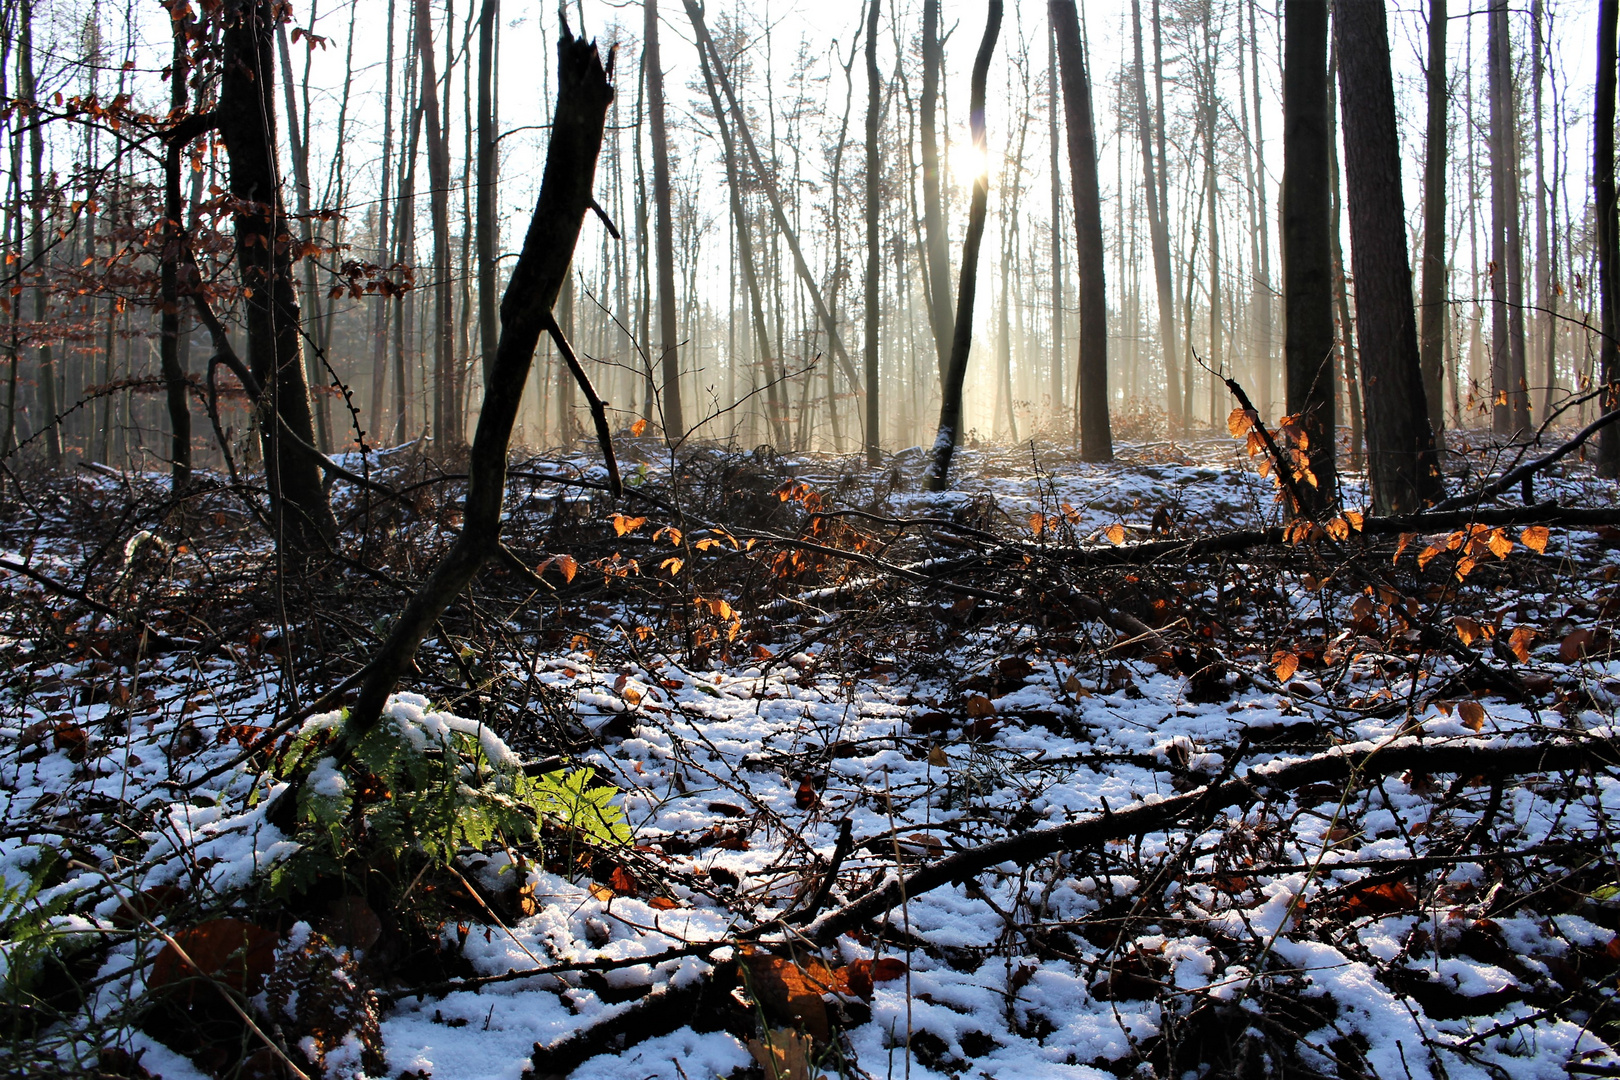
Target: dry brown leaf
{"x":1240,"y":421}
{"x":237,"y":953}
{"x":1467,"y":629}
{"x":1390,"y":898}
{"x":1499,"y":543}
{"x":790,"y":993}
{"x":1575,"y":646}
{"x":937,"y":758}
{"x":1472,"y":714}
{"x":1115,"y":534}
{"x":784,"y":1055}
{"x":1284,"y":664}
{"x":980,"y":706}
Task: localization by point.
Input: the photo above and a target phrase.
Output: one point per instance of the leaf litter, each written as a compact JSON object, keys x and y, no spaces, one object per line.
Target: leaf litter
{"x":833,"y":686}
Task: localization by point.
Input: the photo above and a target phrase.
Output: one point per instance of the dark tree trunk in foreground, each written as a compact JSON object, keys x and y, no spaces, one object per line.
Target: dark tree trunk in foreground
{"x":950,"y":408}
{"x":934,"y":233}
{"x":247,"y":123}
{"x":1306,"y":250}
{"x":1096,"y":441}
{"x":669,"y":331}
{"x":1432,"y":338}
{"x":583,"y":95}
{"x":1608,"y":231}
{"x":874,"y":248}
{"x":172,"y":319}
{"x":1158,"y":233}
{"x":1402,"y":467}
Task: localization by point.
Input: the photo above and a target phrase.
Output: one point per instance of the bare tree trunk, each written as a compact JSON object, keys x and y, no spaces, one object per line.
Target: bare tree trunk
{"x":379,"y":346}
{"x":174,"y":376}
{"x":874,"y":249}
{"x":1096,"y":441}
{"x":1402,"y":466}
{"x":668,"y":325}
{"x":784,"y":228}
{"x":1057,"y":215}
{"x":950,"y":409}
{"x":488,"y":185}
{"x":1159,"y":233}
{"x":1212,"y":193}
{"x":934,"y":228}
{"x":1544,"y":323}
{"x":1434,"y":229}
{"x":1510,"y":390}
{"x":1344,"y":357}
{"x":298,"y":141}
{"x":1307,"y":255}
{"x":247,"y":120}
{"x":1608,"y":231}
{"x":446,"y":427}
{"x":36,"y":162}
{"x":1263,"y":285}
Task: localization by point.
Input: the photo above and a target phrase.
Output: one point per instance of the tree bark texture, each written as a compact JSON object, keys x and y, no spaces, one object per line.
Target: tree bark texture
{"x":1402,"y":467}
{"x":1608,"y":230}
{"x":874,"y":247}
{"x":36,"y":157}
{"x":950,"y":409}
{"x":583,"y":95}
{"x":668,"y":325}
{"x":1432,"y":340}
{"x":1096,"y":441}
{"x":488,"y":190}
{"x":1306,"y":249}
{"x":176,"y":389}
{"x":247,"y":124}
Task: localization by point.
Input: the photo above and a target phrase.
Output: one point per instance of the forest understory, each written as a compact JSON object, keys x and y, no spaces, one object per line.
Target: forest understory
{"x":777,"y":767}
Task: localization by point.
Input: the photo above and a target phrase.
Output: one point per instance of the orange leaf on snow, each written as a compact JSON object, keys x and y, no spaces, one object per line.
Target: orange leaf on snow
{"x":1499,"y":543}
{"x":1472,"y":714}
{"x":1467,"y":629}
{"x":1284,"y":664}
{"x":1535,"y":538}
{"x":1575,"y":645}
{"x":979,"y":706}
{"x":1520,"y":643}
{"x":662,"y":903}
{"x":788,"y":992}
{"x":1115,"y":534}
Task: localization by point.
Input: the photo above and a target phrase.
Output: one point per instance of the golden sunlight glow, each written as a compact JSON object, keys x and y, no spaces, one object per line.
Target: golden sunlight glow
{"x":968,"y":163}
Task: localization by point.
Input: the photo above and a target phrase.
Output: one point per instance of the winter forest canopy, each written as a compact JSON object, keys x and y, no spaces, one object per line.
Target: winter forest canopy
{"x":886,"y":537}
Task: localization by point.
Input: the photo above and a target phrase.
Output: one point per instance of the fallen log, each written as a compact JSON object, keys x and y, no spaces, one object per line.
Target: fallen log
{"x":1334,"y":766}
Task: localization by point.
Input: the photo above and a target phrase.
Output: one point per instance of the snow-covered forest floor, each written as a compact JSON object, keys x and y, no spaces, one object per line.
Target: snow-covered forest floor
{"x":784,"y":769}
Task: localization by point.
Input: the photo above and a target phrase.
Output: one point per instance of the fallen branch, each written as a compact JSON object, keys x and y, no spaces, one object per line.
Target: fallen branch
{"x":1145,"y":817}
{"x":1529,"y":468}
